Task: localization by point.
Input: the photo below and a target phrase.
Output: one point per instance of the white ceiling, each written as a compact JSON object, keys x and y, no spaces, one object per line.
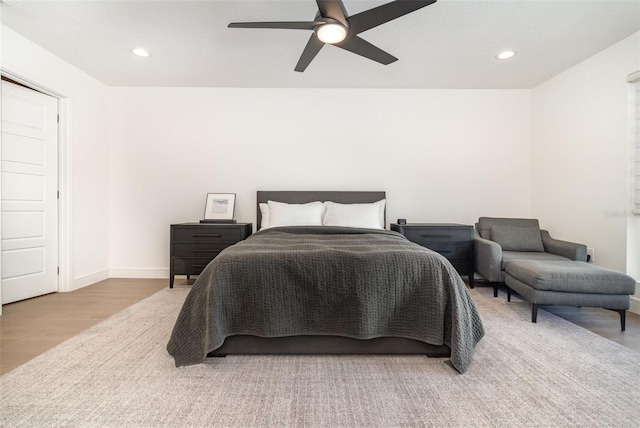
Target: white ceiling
{"x":450,"y":44}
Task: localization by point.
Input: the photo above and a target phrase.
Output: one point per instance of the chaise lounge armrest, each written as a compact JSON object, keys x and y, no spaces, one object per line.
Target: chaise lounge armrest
{"x":570,"y":250}
{"x":488,"y":258}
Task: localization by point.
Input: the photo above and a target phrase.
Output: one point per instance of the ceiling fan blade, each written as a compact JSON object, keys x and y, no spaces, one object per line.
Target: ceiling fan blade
{"x":363,"y":48}
{"x":293,"y":25}
{"x":309,"y":53}
{"x":333,"y":9}
{"x":379,"y":15}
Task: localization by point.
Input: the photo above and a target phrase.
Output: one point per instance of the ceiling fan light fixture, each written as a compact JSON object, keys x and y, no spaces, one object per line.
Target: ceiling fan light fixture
{"x":331,"y":33}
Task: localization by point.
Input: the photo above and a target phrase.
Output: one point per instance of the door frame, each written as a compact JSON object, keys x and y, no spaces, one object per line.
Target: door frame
{"x":65,"y":231}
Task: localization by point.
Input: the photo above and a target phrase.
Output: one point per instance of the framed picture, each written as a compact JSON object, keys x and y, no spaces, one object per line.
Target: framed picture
{"x":219,"y":206}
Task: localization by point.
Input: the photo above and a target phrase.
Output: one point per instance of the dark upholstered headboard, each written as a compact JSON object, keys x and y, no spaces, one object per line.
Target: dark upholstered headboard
{"x":304,"y":196}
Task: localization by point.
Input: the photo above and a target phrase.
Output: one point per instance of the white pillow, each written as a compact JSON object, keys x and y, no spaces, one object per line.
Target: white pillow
{"x":281,"y":214}
{"x":370,"y":216}
{"x":265,"y":220}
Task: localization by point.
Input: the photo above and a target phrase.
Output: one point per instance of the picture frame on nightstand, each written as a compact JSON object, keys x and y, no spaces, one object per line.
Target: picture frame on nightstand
{"x":219,"y":208}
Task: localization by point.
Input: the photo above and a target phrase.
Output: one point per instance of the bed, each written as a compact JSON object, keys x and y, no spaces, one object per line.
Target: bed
{"x":327,"y":289}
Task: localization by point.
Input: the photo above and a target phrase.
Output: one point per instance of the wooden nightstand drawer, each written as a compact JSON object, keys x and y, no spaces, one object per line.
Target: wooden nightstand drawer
{"x":208,"y":234}
{"x":191,"y":266}
{"x":437,"y":236}
{"x":452,"y":251}
{"x":194,"y":245}
{"x":453,"y":241}
{"x":198,"y":250}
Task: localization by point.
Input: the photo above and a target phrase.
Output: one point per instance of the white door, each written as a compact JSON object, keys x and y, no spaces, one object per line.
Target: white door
{"x":29,"y":187}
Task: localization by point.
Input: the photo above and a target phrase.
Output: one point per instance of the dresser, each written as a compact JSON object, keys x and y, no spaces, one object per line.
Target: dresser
{"x":453,"y":241}
{"x":194,"y":245}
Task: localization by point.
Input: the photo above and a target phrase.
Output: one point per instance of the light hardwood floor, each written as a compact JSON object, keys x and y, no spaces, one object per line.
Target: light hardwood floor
{"x":31,"y":327}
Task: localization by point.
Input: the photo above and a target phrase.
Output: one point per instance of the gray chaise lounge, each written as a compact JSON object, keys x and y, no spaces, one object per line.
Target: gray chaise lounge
{"x":569,"y":283}
{"x":500,"y":240}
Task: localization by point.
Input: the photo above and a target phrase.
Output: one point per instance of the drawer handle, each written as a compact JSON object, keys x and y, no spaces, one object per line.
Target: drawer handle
{"x":199,"y":266}
{"x":436,"y":236}
{"x":205,"y":251}
{"x":210,"y":235}
{"x":445,"y":251}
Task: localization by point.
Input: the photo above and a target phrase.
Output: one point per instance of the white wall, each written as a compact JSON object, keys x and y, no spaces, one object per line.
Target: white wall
{"x":441,"y":155}
{"x":582,"y":152}
{"x":87,"y":101}
{"x":143,"y":158}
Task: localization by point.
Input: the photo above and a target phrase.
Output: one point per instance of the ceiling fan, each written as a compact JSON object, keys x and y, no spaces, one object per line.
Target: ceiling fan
{"x":333,"y":26}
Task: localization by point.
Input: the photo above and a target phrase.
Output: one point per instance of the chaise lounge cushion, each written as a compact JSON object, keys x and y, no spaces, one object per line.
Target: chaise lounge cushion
{"x":517,"y":238}
{"x":571,"y":277}
{"x":485,"y":224}
{"x":508,"y":256}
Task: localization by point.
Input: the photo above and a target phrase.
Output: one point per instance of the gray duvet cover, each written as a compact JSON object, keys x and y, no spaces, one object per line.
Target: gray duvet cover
{"x":358,"y":283}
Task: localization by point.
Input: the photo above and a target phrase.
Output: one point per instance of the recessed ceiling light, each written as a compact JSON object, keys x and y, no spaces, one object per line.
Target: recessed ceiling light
{"x":506,"y":54}
{"x":140,"y":52}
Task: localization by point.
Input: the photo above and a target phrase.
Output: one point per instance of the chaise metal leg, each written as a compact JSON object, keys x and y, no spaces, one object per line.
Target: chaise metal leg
{"x":534,"y":312}
{"x":495,"y":289}
{"x":508,"y":294}
{"x":623,"y":318}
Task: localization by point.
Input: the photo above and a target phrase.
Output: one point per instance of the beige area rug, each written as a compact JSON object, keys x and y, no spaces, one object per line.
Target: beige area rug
{"x":118,"y":374}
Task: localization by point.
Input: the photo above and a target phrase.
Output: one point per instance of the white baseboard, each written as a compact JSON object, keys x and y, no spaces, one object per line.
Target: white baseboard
{"x":91,"y":278}
{"x":156,"y":273}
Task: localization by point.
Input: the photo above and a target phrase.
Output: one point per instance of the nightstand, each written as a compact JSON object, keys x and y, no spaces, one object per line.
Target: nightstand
{"x":453,"y":241}
{"x":194,"y":245}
